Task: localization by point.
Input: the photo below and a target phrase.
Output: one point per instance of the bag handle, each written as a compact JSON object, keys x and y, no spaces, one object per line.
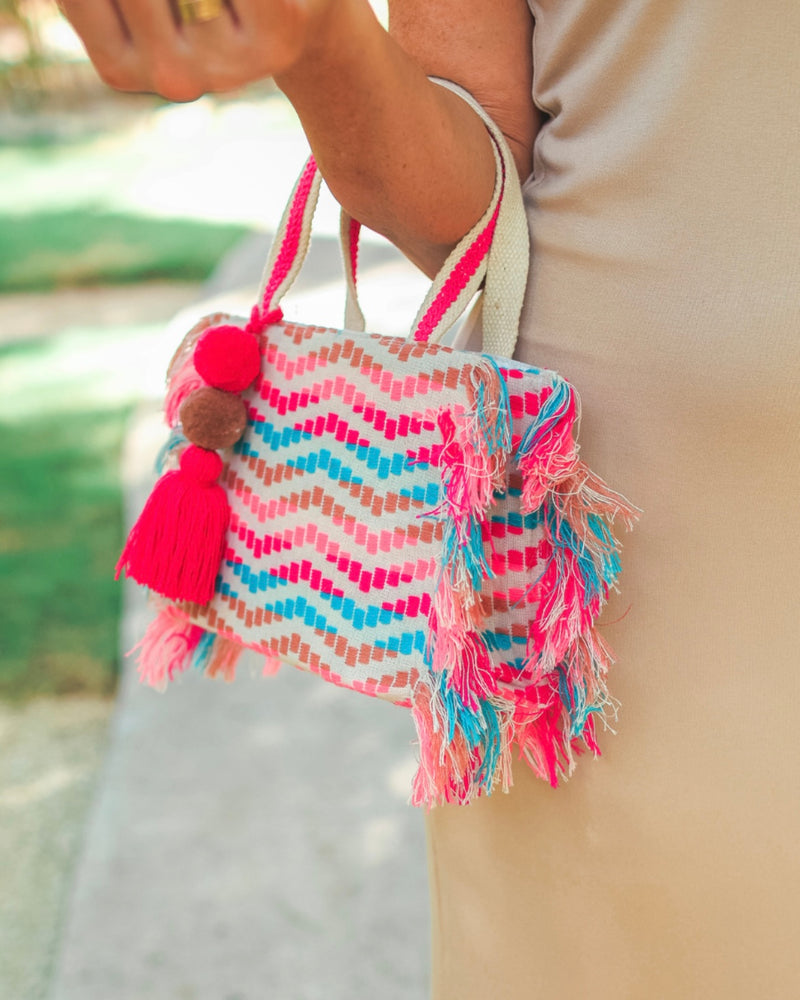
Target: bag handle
{"x":496,"y":248}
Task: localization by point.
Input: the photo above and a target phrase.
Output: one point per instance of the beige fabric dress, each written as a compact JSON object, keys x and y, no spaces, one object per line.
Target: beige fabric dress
{"x":665,"y":216}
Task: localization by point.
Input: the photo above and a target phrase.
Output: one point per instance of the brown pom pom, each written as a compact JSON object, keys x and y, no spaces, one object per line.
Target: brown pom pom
{"x":212,"y":418}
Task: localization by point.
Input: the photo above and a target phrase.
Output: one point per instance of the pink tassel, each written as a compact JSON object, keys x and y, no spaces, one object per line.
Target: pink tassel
{"x":472,"y":471}
{"x":178,"y":543}
{"x":465,"y":660}
{"x":562,"y":613}
{"x":166,"y":648}
{"x":582,"y":493}
{"x":551,"y":460}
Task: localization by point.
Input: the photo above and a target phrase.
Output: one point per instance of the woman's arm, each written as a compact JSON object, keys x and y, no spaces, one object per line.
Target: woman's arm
{"x":403,"y":156}
{"x":406,"y":157}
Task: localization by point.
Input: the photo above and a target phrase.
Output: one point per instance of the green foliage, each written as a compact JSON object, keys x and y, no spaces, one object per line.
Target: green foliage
{"x":62,"y":420}
{"x":60,"y":532}
{"x":48,"y":249}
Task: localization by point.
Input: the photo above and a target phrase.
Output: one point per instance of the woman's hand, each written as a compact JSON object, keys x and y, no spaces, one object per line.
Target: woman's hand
{"x":146,"y":45}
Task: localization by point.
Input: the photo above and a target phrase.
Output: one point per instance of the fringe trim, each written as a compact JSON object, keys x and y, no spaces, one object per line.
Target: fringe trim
{"x":172,"y":644}
{"x":468,"y":714}
{"x":166,"y":648}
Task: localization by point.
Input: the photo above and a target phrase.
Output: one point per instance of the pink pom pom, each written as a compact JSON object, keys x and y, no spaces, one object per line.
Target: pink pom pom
{"x":201,"y":466}
{"x":228,"y":358}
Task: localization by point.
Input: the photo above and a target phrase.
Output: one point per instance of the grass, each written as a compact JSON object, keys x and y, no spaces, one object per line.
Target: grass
{"x":60,"y":532}
{"x":51,"y":249}
{"x":64,"y":402}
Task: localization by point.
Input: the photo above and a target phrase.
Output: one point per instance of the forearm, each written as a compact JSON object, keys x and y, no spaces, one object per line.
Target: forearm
{"x":402,"y":155}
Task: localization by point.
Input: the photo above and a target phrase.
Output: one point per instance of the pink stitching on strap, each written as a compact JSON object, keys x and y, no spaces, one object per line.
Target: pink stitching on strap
{"x":457,"y":280}
{"x":291,"y":241}
{"x":355,"y":232}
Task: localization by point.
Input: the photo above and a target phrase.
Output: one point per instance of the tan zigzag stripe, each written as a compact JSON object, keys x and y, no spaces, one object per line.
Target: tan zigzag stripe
{"x":294,"y":644}
{"x":424,"y":532}
{"x":356,"y":357}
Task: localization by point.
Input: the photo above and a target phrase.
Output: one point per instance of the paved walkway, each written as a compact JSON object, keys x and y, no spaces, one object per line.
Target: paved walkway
{"x":252,"y":840}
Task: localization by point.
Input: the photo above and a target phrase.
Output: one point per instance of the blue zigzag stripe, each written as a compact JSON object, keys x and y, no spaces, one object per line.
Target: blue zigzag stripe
{"x":299,"y":608}
{"x":277,"y":438}
{"x":334,"y":470}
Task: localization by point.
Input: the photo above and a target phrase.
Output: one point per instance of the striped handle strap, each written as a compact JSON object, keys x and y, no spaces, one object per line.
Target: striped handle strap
{"x":496,"y":249}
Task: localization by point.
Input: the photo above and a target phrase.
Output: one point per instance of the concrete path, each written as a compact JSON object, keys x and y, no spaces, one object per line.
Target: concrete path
{"x":252,"y":840}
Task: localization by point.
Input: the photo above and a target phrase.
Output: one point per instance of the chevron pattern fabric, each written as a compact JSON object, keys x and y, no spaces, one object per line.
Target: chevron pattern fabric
{"x":412,"y":522}
{"x":335,"y":546}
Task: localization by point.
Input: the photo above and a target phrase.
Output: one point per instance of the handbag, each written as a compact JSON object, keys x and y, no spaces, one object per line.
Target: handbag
{"x":402,"y":517}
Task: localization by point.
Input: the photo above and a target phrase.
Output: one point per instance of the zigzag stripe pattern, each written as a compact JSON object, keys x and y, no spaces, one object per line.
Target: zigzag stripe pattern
{"x":364,"y":405}
{"x":330,"y":427}
{"x":296,"y":648}
{"x":309,"y":534}
{"x":350,"y":487}
{"x":283,"y":562}
{"x":419,"y":547}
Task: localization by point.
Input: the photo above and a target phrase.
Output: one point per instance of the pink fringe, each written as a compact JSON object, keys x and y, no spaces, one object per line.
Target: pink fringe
{"x":444,"y":765}
{"x":182,"y":383}
{"x":166,"y":648}
{"x":581,"y":493}
{"x":540,"y":729}
{"x":561,"y":615}
{"x":461,"y":653}
{"x":272,"y":664}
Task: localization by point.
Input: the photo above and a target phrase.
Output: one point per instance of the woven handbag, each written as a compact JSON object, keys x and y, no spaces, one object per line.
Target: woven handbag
{"x":403,"y":518}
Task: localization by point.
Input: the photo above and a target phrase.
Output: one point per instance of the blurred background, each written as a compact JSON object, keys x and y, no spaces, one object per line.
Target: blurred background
{"x":196,"y":844}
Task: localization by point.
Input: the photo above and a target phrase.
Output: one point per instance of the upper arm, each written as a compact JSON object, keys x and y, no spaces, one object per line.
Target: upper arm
{"x":485,"y":46}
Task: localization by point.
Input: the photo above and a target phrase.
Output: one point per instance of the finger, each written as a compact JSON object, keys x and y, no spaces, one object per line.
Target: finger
{"x":101,"y":27}
{"x":215,"y":45}
{"x":191,"y":14}
{"x":151,"y":23}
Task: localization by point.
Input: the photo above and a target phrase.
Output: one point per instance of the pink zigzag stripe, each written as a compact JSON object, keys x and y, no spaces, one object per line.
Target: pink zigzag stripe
{"x":288,"y":366}
{"x":343,"y":389}
{"x":332,"y":425}
{"x":373,"y":542}
{"x":351,"y":395}
{"x":363,"y":405}
{"x":291,"y":241}
{"x":458,"y":279}
{"x":310,"y":534}
{"x":407,"y":387}
{"x":368,"y":581}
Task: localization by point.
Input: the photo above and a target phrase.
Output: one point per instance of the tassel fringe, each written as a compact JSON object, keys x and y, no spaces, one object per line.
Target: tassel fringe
{"x":469,"y":714}
{"x":172,"y":644}
{"x":167,"y":648}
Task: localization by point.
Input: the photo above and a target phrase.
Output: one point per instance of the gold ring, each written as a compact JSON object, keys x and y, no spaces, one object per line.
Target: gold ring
{"x":197,"y":11}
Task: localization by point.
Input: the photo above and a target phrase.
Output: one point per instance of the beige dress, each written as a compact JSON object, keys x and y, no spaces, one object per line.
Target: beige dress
{"x":665,"y":216}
